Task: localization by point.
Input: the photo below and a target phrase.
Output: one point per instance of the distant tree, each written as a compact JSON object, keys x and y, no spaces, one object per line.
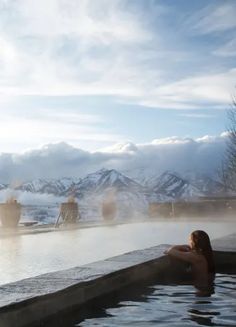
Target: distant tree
{"x":228,"y":169}
{"x":224,"y":176}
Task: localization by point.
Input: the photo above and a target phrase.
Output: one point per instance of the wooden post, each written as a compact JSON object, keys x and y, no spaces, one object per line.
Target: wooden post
{"x":173,"y":209}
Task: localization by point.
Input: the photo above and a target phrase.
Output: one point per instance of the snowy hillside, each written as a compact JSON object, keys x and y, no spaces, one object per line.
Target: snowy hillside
{"x":103,"y":179}
{"x":205,"y":184}
{"x":131,"y":196}
{"x":174,"y":186}
{"x":169,"y":185}
{"x":51,"y":186}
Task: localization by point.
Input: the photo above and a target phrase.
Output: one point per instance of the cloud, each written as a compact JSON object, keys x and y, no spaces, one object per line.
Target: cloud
{"x":202,"y":155}
{"x":89,"y":20}
{"x":227,"y":50}
{"x":121,"y":148}
{"x":58,"y":47}
{"x":116,"y":48}
{"x":49,"y":125}
{"x":196,"y":115}
{"x":215,"y":18}
{"x":210,"y":90}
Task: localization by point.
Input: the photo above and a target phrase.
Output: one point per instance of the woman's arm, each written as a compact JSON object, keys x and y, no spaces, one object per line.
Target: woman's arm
{"x":183,"y":248}
{"x":177,"y":253}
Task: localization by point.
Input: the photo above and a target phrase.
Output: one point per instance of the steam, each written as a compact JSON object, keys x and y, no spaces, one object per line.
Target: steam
{"x":28,"y":198}
{"x":54,"y":251}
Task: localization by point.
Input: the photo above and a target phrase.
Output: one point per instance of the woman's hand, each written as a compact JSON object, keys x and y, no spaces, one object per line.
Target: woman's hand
{"x":182,"y":252}
{"x":183,"y":248}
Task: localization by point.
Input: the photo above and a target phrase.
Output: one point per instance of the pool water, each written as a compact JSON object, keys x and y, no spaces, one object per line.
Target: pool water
{"x":26,"y":256}
{"x":172,"y":305}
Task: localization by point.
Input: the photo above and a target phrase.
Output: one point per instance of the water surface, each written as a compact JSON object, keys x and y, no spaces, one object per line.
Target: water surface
{"x":172,"y":305}
{"x":31,"y":255}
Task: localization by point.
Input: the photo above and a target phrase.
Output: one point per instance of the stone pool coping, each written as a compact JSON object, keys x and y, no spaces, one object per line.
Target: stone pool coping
{"x":30,"y":300}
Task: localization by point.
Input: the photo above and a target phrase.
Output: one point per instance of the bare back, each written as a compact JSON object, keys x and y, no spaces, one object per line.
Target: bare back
{"x":200,"y":269}
{"x":198,"y":262}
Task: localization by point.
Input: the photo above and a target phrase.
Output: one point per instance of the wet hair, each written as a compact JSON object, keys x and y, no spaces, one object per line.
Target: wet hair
{"x":202,"y":245}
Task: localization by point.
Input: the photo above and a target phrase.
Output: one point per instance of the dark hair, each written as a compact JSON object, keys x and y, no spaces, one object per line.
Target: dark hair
{"x":202,"y":245}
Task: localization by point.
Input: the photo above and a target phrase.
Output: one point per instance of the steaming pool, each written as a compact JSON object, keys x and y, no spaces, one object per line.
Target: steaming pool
{"x":24,"y":256}
{"x":161,"y":305}
{"x":170,"y":305}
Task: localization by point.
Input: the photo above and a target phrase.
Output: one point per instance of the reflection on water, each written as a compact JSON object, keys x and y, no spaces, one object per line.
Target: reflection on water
{"x":173,"y":305}
{"x":30,"y":255}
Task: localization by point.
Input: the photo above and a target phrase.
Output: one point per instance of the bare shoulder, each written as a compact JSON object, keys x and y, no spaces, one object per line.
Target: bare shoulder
{"x":192,"y":256}
{"x":197,"y":258}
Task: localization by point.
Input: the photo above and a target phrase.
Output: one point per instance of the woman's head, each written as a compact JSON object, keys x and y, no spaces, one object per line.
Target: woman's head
{"x":200,"y":242}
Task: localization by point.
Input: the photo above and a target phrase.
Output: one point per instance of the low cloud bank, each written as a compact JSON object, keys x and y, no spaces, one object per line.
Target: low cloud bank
{"x":202,"y":155}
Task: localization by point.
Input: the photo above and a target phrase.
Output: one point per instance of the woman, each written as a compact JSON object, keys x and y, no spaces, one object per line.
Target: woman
{"x":199,"y":254}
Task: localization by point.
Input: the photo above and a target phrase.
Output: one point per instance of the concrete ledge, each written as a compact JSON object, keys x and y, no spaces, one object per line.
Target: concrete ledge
{"x":31,"y":300}
{"x":225,"y":253}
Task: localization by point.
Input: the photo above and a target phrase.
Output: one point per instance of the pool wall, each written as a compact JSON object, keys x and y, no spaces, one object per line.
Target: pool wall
{"x":32,"y":300}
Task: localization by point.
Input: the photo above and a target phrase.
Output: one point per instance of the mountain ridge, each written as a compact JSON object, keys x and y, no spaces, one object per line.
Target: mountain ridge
{"x":169,"y":184}
{"x":131,"y":196}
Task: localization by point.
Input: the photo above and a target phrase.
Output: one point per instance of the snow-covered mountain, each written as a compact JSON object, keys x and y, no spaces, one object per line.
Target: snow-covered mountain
{"x":142,"y":175}
{"x":52,"y":186}
{"x":205,"y":183}
{"x":168,"y":186}
{"x":104,"y":179}
{"x":174,"y":186}
{"x":132,"y":197}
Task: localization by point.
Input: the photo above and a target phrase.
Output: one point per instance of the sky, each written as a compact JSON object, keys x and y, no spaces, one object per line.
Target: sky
{"x":94,"y":74}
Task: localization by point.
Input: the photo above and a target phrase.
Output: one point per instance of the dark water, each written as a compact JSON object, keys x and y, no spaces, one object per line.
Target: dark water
{"x":171,"y":305}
